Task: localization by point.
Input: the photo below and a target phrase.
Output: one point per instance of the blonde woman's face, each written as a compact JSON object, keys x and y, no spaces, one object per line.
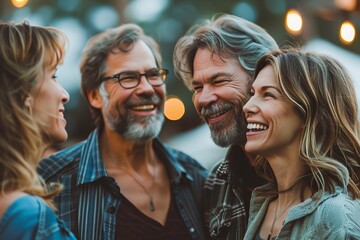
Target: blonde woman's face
{"x":47,"y":101}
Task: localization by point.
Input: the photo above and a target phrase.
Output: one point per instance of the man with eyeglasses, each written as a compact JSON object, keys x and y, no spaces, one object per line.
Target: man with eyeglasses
{"x":122,"y":182}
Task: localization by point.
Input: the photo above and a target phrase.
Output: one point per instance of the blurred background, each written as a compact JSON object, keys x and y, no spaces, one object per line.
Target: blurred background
{"x":328,"y":26}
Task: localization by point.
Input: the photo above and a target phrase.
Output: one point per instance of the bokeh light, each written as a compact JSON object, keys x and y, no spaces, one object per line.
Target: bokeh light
{"x":174,"y":108}
{"x":293,"y":22}
{"x":19,"y":3}
{"x":347,"y":32}
{"x":348,"y":5}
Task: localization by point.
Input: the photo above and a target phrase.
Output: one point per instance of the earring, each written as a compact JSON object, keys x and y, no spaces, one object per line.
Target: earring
{"x":27,"y":104}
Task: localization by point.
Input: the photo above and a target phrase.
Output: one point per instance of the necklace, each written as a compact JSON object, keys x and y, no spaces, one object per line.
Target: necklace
{"x":151,"y":202}
{"x":277,"y":215}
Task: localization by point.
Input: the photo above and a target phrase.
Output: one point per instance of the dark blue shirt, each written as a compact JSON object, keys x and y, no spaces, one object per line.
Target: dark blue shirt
{"x":90,"y":198}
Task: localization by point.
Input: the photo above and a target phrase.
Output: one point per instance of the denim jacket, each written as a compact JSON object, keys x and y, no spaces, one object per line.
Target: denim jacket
{"x":334,"y":216}
{"x":29,"y":218}
{"x":90,"y":198}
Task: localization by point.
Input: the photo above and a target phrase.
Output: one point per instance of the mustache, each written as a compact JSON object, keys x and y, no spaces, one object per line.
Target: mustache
{"x":143,"y":101}
{"x":212,"y":109}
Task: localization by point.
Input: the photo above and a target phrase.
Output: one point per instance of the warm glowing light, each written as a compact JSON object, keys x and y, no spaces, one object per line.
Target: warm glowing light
{"x":293,"y":22}
{"x":348,"y":5}
{"x":174,"y":108}
{"x":19,"y":3}
{"x":347,"y":32}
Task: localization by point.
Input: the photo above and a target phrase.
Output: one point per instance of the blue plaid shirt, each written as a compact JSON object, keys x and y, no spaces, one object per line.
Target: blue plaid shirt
{"x":90,"y":198}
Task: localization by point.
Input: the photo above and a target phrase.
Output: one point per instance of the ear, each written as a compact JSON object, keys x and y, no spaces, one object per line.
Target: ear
{"x":28,"y":101}
{"x":94,"y":98}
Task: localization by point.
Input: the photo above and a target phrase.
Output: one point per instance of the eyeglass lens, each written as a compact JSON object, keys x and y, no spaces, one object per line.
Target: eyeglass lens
{"x":155,"y":77}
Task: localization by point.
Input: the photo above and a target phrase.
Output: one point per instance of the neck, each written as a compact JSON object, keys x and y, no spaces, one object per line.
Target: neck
{"x":119,"y":152}
{"x":287,"y":169}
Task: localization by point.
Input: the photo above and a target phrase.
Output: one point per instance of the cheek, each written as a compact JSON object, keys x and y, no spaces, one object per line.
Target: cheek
{"x":195,"y":99}
{"x":241,"y":90}
{"x":161,"y":91}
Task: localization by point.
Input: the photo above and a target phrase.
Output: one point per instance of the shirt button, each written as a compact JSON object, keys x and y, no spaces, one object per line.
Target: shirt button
{"x":192,"y":229}
{"x":111,"y":210}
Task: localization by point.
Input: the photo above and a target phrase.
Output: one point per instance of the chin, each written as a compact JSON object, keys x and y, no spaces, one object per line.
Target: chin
{"x":58,"y":137}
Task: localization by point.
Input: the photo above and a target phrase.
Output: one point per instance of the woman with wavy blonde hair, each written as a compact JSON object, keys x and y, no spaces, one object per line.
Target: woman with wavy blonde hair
{"x":303,"y":123}
{"x":31,"y":120}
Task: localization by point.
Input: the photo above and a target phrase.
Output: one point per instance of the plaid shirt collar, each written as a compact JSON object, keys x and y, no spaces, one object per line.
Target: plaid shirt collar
{"x":92,"y":168}
{"x":228,"y":168}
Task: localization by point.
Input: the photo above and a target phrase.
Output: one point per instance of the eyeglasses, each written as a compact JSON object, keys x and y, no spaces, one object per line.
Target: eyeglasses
{"x":131,"y":79}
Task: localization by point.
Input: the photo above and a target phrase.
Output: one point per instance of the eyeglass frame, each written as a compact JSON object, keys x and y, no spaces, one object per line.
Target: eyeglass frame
{"x":139,"y":75}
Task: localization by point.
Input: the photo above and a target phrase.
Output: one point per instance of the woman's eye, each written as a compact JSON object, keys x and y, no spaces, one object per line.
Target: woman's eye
{"x":267,"y":94}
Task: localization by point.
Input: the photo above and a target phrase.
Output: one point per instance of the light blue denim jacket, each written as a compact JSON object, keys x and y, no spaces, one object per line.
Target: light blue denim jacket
{"x":334,"y":216}
{"x":29,"y":218}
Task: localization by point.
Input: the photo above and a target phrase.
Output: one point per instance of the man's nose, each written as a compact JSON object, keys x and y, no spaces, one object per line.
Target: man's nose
{"x":206,"y":96}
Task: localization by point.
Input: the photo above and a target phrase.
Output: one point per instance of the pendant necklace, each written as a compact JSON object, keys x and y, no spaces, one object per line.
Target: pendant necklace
{"x":151,"y":202}
{"x":276,"y":216}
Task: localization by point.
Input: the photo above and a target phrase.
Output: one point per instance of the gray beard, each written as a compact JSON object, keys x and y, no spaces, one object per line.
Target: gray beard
{"x":234,"y":133}
{"x":135,"y":128}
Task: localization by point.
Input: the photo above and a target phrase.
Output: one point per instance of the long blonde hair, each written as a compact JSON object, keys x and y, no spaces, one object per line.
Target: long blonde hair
{"x":323,"y":93}
{"x":24,"y":52}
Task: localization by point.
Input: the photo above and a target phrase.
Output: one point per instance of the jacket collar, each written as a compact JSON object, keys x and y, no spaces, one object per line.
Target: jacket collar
{"x":230,"y":168}
{"x":261,"y":203}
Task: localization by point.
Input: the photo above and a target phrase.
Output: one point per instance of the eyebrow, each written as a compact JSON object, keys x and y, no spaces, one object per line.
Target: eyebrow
{"x":262,"y":88}
{"x":212,"y":77}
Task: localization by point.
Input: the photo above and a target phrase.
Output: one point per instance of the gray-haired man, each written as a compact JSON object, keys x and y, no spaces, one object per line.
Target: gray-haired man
{"x":216,"y":60}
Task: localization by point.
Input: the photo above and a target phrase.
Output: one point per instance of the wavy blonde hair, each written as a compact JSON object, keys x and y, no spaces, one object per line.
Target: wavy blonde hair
{"x":25,"y":51}
{"x":323,"y":93}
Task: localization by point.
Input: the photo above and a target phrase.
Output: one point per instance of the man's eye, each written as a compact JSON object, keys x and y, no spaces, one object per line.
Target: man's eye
{"x":153,"y":75}
{"x":220,"y":81}
{"x":128,"y":77}
{"x":197,"y":88}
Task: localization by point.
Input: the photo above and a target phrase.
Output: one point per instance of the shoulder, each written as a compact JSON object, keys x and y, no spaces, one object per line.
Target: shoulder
{"x":62,"y":161}
{"x":8,"y":199}
{"x":37,"y":219}
{"x":25,"y":210}
{"x":341,"y":214}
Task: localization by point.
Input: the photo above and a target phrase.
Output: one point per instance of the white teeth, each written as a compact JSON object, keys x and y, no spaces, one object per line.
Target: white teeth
{"x":257,"y":126}
{"x":61,"y":114}
{"x":144,"y":107}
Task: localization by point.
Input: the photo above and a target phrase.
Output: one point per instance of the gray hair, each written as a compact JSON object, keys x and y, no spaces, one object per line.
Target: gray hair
{"x":114,"y":40}
{"x":226,"y":36}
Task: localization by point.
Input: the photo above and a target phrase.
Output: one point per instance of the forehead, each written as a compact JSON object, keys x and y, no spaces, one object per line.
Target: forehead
{"x":266,"y":76}
{"x":207,"y":64}
{"x":140,"y":57}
